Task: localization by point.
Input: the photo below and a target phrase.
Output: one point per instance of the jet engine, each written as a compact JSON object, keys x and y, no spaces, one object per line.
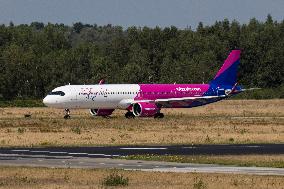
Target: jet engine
{"x":101,"y":112}
{"x":145,"y":109}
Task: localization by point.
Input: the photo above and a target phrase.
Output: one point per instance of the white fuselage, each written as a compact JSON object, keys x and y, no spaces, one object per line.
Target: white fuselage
{"x":116,"y":96}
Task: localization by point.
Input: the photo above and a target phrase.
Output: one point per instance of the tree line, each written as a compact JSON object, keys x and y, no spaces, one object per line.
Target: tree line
{"x":38,"y":57}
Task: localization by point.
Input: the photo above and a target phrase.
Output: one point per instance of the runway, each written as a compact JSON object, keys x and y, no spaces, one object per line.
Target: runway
{"x":117,"y":151}
{"x":105,"y":157}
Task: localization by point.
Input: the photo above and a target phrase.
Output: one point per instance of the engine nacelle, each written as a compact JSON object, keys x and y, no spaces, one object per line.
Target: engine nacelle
{"x":144,"y":109}
{"x":101,"y":112}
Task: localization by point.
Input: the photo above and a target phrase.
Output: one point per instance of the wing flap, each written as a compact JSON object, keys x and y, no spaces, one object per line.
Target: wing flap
{"x":185,"y":101}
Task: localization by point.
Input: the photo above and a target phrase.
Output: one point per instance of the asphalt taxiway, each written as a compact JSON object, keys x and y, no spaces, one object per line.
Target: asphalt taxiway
{"x":106,"y":157}
{"x":116,"y":151}
{"x":89,"y":163}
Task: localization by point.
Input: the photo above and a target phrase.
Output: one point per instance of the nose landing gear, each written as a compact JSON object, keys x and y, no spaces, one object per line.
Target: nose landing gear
{"x":67,"y":114}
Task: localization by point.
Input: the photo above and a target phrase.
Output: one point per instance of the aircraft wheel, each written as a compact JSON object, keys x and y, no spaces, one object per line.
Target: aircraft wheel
{"x":66,"y":116}
{"x":159,"y":115}
{"x":129,"y":115}
{"x":106,"y":117}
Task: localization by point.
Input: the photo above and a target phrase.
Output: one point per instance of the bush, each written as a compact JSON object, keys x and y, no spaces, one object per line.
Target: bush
{"x":199,"y":184}
{"x":21,"y":130}
{"x":231,"y":140}
{"x":115,"y":179}
{"x":76,"y":130}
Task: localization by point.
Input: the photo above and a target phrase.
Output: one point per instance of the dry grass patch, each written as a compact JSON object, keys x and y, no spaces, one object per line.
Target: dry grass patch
{"x":15,"y":177}
{"x":229,"y":121}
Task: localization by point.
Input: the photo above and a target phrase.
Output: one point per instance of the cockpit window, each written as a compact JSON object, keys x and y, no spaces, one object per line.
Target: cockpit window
{"x":61,"y":93}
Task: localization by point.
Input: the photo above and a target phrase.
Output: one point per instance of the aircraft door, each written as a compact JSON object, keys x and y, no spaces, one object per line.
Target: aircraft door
{"x":105,"y":95}
{"x":74,"y":98}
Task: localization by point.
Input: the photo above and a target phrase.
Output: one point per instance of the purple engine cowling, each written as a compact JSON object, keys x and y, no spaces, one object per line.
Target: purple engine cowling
{"x":101,"y":112}
{"x":145,"y":109}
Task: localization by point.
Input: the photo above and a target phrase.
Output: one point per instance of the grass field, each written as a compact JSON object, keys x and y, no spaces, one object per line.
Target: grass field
{"x":276,"y":161}
{"x":21,"y":178}
{"x":229,"y":121}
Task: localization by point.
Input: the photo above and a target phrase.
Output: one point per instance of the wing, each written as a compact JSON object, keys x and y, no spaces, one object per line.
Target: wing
{"x":183,"y":102}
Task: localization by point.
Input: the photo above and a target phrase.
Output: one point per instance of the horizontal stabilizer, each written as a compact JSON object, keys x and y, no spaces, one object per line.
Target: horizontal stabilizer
{"x":250,"y":89}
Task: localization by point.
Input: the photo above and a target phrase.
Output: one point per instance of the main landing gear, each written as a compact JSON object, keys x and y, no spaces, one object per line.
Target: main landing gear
{"x":159,"y":115}
{"x":67,"y":114}
{"x":129,"y":115}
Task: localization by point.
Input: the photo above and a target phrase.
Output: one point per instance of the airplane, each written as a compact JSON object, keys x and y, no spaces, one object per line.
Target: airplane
{"x":147,"y":100}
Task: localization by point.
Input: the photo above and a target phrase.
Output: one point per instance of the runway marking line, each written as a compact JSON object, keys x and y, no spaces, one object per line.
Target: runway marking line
{"x":4,"y":155}
{"x":143,"y":148}
{"x":107,"y":155}
{"x":40,"y":151}
{"x":58,"y":152}
{"x":96,"y":154}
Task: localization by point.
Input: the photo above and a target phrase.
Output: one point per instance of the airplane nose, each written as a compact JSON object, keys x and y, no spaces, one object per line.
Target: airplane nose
{"x":48,"y":101}
{"x":53,"y":101}
{"x":45,"y":101}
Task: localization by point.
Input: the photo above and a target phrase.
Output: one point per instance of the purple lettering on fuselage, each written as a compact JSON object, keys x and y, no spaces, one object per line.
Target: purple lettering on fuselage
{"x":90,"y":93}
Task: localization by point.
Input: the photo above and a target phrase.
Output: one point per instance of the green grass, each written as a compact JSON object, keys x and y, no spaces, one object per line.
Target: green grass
{"x":199,"y":184}
{"x":115,"y":179}
{"x":21,"y":103}
{"x":212,"y":159}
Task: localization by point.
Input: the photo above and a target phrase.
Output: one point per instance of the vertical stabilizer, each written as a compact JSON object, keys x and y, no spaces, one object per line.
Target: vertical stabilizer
{"x":227,"y":75}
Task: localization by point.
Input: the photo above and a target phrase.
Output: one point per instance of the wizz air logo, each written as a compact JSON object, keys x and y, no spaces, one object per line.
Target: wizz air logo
{"x":188,"y":89}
